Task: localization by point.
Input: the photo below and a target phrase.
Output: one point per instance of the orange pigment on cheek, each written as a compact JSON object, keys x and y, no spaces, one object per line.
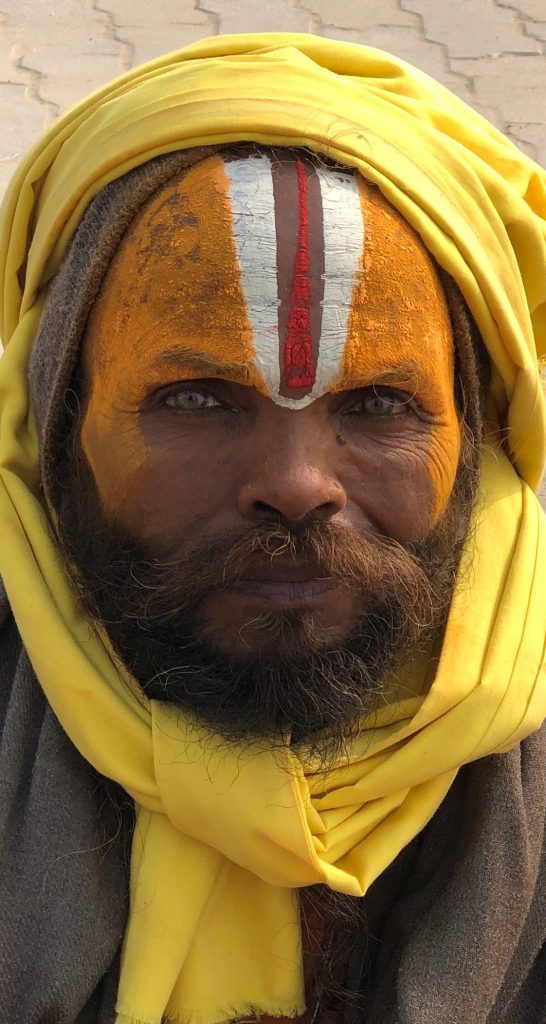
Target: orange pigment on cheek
{"x":174,"y":283}
{"x":399,"y":314}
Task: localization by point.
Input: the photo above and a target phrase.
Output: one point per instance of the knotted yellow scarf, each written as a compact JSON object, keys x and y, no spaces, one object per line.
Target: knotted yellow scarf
{"x":224,"y":837}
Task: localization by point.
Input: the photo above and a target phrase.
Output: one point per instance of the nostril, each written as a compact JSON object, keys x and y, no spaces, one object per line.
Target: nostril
{"x":326,"y":510}
{"x":264,"y":509}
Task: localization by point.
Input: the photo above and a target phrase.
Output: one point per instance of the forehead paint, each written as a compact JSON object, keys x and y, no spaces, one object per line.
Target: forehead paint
{"x":173,"y":285}
{"x":175,"y":282}
{"x":399,"y":317}
{"x":299,"y":236}
{"x":299,"y":275}
{"x":252,"y":261}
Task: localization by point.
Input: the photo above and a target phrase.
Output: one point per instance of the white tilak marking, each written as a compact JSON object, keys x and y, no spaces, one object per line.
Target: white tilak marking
{"x":343,"y":251}
{"x":253,"y":210}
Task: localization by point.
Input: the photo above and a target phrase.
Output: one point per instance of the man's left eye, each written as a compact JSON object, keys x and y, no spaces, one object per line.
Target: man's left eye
{"x":380,"y":401}
{"x":190,"y":400}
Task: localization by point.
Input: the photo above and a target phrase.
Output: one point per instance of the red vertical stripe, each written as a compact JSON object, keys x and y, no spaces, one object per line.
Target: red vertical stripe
{"x":298,"y":347}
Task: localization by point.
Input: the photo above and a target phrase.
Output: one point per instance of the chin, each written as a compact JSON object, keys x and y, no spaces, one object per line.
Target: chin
{"x":279,"y":634}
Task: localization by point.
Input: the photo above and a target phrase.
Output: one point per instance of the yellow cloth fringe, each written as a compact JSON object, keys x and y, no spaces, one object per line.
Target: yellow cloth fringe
{"x":224,"y":837}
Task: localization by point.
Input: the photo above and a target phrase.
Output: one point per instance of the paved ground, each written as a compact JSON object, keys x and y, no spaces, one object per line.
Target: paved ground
{"x":492,"y":53}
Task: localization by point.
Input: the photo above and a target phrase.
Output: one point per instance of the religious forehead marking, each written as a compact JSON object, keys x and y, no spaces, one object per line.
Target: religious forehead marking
{"x":299,"y":237}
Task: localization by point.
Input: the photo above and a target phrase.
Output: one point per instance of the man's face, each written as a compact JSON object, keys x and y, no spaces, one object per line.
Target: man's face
{"x":269,"y":367}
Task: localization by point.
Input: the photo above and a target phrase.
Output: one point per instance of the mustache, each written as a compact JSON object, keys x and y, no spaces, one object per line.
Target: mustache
{"x":366,"y":562}
{"x":298,"y":679}
{"x":310,"y":687}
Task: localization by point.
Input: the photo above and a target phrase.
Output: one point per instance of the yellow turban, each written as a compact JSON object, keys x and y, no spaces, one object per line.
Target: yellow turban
{"x":224,"y":839}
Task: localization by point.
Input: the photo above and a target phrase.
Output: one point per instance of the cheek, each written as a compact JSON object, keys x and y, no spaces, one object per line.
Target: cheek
{"x":400,"y":496}
{"x":174,"y":501}
{"x":403,"y":484}
{"x":443,"y":460}
{"x":161,"y":488}
{"x":114,"y":451}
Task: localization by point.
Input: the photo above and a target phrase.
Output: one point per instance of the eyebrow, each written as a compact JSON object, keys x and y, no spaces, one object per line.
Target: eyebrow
{"x":409,"y":372}
{"x":198,"y":362}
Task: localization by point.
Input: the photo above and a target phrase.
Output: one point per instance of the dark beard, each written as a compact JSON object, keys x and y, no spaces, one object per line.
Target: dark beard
{"x":149,"y":605}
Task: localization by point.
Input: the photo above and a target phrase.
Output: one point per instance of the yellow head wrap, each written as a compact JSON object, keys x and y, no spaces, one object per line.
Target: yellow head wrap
{"x":223,"y":837}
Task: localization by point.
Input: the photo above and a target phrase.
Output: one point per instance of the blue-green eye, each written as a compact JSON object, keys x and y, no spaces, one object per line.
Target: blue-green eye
{"x":190,"y":400}
{"x":381,"y":401}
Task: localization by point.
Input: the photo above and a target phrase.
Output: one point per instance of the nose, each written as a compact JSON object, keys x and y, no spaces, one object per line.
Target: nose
{"x":293,"y":487}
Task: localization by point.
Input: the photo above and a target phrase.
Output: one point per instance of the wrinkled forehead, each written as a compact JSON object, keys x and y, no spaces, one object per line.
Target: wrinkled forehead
{"x":295,"y":277}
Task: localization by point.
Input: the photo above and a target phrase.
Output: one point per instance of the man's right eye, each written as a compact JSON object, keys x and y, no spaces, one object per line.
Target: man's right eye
{"x":190,"y":400}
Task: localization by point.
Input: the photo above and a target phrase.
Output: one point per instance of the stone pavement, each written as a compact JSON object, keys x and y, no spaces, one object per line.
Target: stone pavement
{"x":53,"y":52}
{"x":492,"y":53}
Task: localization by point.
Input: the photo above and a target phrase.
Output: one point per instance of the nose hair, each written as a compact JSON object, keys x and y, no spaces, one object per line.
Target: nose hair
{"x":291,"y":489}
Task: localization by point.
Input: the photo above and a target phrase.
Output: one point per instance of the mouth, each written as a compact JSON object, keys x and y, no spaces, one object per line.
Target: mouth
{"x":284,"y":593}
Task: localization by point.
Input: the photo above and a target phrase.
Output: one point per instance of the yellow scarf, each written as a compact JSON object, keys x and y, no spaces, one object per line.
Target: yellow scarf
{"x":225,"y":837}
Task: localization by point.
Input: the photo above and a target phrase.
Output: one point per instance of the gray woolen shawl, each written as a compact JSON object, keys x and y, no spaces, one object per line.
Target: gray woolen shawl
{"x":454,"y":932}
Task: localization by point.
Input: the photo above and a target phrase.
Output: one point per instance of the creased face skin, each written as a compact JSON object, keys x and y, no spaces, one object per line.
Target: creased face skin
{"x":271,"y":423}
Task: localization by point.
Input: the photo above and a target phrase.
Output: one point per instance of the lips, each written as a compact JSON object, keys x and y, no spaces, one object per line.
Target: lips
{"x":284,"y":592}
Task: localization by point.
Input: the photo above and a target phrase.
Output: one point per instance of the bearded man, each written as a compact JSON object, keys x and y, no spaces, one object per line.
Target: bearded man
{"x":274,"y":617}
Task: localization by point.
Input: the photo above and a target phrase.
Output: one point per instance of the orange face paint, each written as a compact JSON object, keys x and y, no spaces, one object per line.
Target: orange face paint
{"x":175,"y":281}
{"x":399,"y":326}
{"x":294,"y":280}
{"x":173,"y":286}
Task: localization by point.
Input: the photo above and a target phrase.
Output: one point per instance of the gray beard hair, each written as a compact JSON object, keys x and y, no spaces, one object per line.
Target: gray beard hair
{"x":317,"y":693}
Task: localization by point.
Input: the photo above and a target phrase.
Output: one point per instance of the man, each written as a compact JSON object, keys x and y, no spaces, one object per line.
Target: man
{"x":273,"y":566}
